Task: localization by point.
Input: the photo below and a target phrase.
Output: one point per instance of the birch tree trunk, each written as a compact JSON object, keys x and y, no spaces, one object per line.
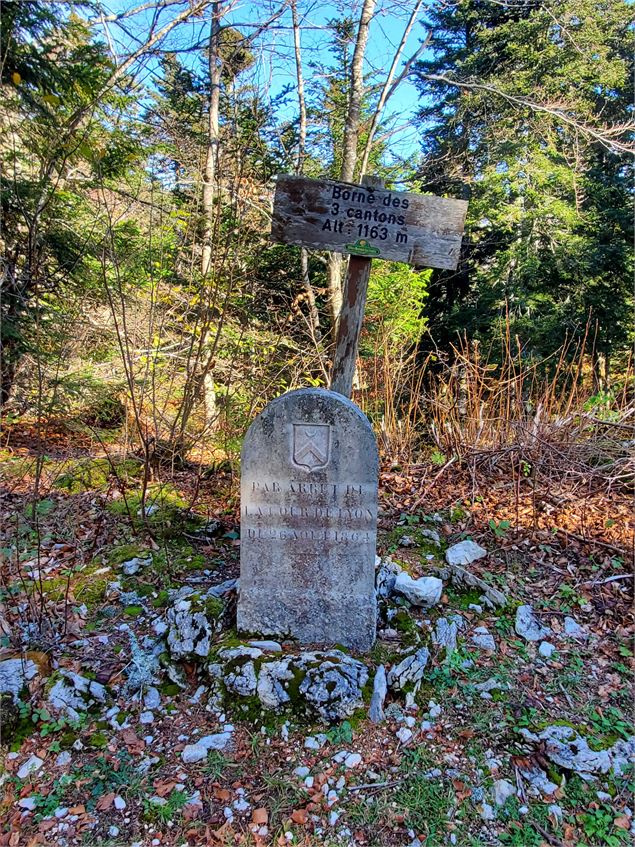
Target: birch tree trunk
{"x":349,"y":147}
{"x":391,"y":84}
{"x":211,"y":155}
{"x":314,"y":317}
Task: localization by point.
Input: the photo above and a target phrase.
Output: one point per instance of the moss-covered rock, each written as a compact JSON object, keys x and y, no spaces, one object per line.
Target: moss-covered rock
{"x":194,"y":620}
{"x":95,"y":474}
{"x":325,"y":685}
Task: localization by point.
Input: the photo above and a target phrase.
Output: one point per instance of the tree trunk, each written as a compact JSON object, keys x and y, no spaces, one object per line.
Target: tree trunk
{"x":209,"y":399}
{"x":314,"y":316}
{"x":211,"y":156}
{"x":389,"y":86}
{"x":349,"y":148}
{"x":356,"y":95}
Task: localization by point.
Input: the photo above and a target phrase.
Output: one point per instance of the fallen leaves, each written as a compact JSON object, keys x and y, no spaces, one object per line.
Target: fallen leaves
{"x":300,"y":816}
{"x":105,"y":801}
{"x":260,"y":816}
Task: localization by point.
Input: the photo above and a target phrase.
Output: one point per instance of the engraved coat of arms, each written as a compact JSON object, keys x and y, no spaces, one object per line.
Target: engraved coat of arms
{"x":311,"y":445}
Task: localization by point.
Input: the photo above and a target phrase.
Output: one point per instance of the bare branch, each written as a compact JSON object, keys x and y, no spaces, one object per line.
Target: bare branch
{"x":606,"y":136}
{"x":389,"y":87}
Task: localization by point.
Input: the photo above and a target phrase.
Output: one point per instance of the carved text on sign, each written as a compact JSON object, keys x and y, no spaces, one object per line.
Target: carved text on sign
{"x":363,"y":220}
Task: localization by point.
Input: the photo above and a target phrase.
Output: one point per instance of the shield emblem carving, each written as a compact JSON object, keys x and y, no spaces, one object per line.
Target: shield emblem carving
{"x":311,"y":445}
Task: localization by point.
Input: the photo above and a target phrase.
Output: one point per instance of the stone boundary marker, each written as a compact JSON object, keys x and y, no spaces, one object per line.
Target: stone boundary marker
{"x":308,"y":503}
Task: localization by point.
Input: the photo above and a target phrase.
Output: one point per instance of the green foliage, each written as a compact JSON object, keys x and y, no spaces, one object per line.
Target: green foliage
{"x":499,"y":529}
{"x":598,"y":826}
{"x":215,"y":765}
{"x":549,"y":222}
{"x":340,"y":734}
{"x":165,"y":509}
{"x":94,"y":474}
{"x":56,"y":95}
{"x":164,"y":813}
{"x":424,"y":800}
{"x":521,"y":835}
{"x":611,"y":723}
{"x":394,"y":308}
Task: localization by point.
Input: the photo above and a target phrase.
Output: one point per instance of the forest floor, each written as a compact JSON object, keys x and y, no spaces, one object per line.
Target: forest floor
{"x":436,"y":773}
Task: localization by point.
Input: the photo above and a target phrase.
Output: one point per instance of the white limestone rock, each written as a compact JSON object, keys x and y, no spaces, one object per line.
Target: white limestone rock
{"x":528,"y":626}
{"x":242,"y":680}
{"x":198,"y":751}
{"x":334,"y":688}
{"x":133,"y":566}
{"x":464,"y":553}
{"x":380,"y":689}
{"x":572,"y":629}
{"x":446,"y":633}
{"x":31,"y":766}
{"x":267,"y":646}
{"x":387,"y":573}
{"x":484,"y":639}
{"x":565,"y":747}
{"x":271,"y":684}
{"x":409,"y":672}
{"x":74,"y":694}
{"x":431,"y":535}
{"x":503,"y":790}
{"x":425,"y":591}
{"x":15,"y":674}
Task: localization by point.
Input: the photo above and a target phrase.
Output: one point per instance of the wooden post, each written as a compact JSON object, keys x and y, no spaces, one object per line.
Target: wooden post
{"x":349,"y":324}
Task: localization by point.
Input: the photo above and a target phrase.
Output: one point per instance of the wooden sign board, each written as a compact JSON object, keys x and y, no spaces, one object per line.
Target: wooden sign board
{"x":421,"y":230}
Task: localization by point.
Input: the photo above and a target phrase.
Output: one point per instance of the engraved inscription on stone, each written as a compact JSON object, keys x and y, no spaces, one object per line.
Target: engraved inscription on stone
{"x":309,"y":521}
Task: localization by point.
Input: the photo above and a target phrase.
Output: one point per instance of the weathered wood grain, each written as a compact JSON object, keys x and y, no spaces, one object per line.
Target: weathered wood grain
{"x":349,"y":325}
{"x":421,"y":230}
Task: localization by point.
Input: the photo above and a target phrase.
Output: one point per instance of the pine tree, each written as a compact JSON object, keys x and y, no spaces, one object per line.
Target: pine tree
{"x":531,"y":137}
{"x":64,"y":133}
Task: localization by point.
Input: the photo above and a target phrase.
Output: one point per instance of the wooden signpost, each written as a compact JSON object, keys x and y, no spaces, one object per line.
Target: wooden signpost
{"x":366,"y":221}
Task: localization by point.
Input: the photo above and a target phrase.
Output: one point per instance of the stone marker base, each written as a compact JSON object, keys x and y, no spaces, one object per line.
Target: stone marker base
{"x":350,"y":621}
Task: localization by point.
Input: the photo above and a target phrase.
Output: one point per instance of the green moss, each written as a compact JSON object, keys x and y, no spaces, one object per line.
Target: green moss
{"x":167,"y":511}
{"x":67,"y":739}
{"x":143,"y":589}
{"x":170,"y":689}
{"x":463,"y":597}
{"x":457,"y":513}
{"x":55,"y":588}
{"x":94,"y":474}
{"x":125,"y":552}
{"x":229,"y":639}
{"x":98,"y":740}
{"x":133,"y":611}
{"x":91,"y":592}
{"x":214,"y":608}
{"x":293,"y":685}
{"x":404,"y":623}
{"x":162,"y":600}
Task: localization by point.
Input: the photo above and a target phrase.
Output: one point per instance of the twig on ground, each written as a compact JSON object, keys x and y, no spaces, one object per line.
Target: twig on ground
{"x":566,"y":695}
{"x":596,"y":541}
{"x":376,"y":786}
{"x":547,"y":835}
{"x":613,"y":578}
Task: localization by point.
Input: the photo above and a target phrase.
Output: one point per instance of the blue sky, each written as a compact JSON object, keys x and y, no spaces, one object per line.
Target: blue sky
{"x":275,"y":67}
